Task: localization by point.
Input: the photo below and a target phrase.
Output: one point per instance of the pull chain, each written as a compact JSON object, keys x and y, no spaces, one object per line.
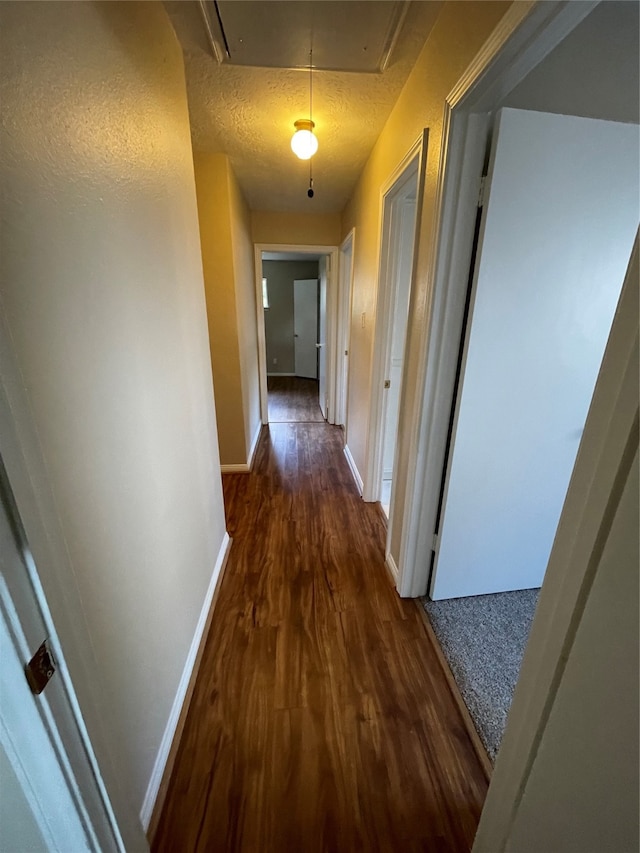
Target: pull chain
{"x":310,"y":190}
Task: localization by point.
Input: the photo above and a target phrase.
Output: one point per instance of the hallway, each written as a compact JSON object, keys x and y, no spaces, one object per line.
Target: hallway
{"x":293,"y":399}
{"x":321,"y":718}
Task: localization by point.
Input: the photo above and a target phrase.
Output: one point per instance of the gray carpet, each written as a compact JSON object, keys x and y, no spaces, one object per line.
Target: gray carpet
{"x":483,"y":639}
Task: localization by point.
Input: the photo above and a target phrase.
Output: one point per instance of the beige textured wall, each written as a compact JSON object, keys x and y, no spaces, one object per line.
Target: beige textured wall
{"x":103,"y":299}
{"x":216,"y":237}
{"x":459,"y":32}
{"x":244,"y":278}
{"x":310,"y":229}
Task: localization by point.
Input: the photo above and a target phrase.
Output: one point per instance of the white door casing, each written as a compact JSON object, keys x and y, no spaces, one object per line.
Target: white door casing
{"x":332,"y":266}
{"x":305,"y":327}
{"x":402,"y":184}
{"x":322,"y":336}
{"x":345,"y":280}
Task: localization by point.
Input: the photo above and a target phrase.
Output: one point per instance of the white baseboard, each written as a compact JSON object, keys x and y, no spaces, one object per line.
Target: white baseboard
{"x":354,"y":468}
{"x":254,"y":445}
{"x":392,"y":568}
{"x":244,"y":467}
{"x":176,"y":709}
{"x":240,"y":468}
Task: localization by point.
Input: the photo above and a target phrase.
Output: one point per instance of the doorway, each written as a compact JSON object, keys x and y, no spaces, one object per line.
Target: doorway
{"x":295,"y":296}
{"x":345,"y":288}
{"x":399,"y":204}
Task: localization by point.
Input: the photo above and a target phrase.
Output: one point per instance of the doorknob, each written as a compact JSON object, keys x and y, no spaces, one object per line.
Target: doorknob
{"x":318,"y":346}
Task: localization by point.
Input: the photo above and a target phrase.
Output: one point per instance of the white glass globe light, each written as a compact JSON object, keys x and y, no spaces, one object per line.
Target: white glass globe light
{"x":304,"y":142}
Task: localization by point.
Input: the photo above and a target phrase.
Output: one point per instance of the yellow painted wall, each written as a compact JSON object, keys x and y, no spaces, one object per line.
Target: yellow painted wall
{"x":227,"y":257}
{"x":104,"y":322}
{"x":244,"y":276}
{"x":459,"y":32}
{"x":311,"y":229}
{"x":212,"y":184}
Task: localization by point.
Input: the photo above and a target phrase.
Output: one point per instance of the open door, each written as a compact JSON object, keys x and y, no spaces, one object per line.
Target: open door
{"x":559,"y":221}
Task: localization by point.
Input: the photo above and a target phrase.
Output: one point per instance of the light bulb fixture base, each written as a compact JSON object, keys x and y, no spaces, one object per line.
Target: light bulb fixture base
{"x":304,"y":142}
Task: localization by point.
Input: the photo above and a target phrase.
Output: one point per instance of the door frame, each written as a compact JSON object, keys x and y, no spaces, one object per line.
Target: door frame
{"x":413,"y":161}
{"x":343,"y":331}
{"x":332,"y":253}
{"x":527,"y":33}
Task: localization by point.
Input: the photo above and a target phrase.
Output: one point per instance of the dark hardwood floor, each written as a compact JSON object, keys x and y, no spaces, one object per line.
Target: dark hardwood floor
{"x":292,"y":399}
{"x":321,"y":718}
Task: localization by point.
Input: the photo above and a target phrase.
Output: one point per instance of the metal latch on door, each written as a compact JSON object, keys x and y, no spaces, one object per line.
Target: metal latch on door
{"x":40,"y":669}
{"x":387,"y":383}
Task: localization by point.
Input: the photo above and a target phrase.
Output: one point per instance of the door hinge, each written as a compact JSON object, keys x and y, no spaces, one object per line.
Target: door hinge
{"x":482,"y":190}
{"x":387,"y":383}
{"x":40,"y":669}
{"x":434,"y":543}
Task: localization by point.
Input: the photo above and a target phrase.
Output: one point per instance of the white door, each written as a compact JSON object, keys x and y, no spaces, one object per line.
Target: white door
{"x":322,"y":337}
{"x":406,"y":213}
{"x":305,"y":327}
{"x":344,"y":326}
{"x":49,"y":798}
{"x":558,"y":226}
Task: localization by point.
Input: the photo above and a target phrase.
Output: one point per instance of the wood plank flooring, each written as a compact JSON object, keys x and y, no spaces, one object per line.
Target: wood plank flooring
{"x":321,"y":718}
{"x":293,"y":399}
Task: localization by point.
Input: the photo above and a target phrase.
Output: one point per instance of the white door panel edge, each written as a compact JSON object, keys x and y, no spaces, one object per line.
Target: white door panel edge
{"x":31,"y":753}
{"x":323,"y":273}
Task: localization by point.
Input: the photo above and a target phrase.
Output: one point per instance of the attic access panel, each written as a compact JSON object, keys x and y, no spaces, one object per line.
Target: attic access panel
{"x":351,"y":35}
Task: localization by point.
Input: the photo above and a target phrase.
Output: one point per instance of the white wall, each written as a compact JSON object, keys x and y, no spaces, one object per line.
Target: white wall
{"x":594,"y":72}
{"x":247,"y":328}
{"x":558,"y":228}
{"x":102,"y":296}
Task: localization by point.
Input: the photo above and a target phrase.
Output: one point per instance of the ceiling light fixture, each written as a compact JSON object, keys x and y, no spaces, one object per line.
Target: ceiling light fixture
{"x":304,"y":142}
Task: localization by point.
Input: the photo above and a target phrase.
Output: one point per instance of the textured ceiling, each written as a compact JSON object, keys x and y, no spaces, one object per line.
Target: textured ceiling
{"x":248,"y":113}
